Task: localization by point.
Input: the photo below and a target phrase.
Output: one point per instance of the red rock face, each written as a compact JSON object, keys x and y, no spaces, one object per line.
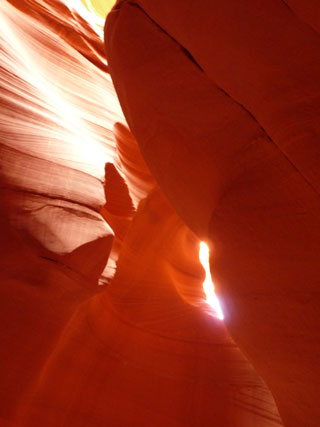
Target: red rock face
{"x":102,"y":310}
{"x":223,"y":98}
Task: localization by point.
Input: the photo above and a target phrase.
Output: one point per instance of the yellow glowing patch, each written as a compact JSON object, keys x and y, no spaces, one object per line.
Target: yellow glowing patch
{"x":99,"y":7}
{"x":208,"y":286}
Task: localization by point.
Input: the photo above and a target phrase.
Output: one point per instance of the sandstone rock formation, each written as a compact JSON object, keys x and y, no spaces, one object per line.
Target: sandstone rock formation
{"x":223,"y":98}
{"x":103,"y":314}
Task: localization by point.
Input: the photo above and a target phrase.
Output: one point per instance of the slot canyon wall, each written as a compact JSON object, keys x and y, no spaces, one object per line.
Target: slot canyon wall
{"x":104,"y":319}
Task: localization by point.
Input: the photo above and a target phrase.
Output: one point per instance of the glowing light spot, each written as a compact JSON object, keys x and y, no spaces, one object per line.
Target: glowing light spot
{"x":208,"y":285}
{"x":89,"y":14}
{"x":92,"y":11}
{"x":99,"y":7}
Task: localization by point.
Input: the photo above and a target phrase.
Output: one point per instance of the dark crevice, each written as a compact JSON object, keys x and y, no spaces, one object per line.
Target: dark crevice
{"x":51,"y":197}
{"x":188,"y":55}
{"x":310,"y":26}
{"x":71,"y":211}
{"x":184,"y":50}
{"x":69,"y":269}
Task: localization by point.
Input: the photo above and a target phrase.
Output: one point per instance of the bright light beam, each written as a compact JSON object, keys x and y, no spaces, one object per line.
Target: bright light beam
{"x":85,"y":10}
{"x":208,"y":285}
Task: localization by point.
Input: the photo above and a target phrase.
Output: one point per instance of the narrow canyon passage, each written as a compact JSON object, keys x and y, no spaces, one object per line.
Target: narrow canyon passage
{"x":122,"y":149}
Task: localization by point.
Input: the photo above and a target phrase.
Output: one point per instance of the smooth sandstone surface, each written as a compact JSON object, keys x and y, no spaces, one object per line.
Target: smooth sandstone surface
{"x":236,"y":87}
{"x":139,"y":355}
